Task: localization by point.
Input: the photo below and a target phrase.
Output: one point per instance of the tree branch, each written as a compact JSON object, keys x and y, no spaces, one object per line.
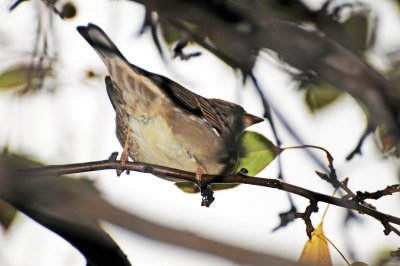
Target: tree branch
{"x":188,"y":176}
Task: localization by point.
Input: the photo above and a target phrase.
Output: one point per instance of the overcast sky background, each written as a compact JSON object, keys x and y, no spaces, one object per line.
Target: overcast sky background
{"x":76,"y":124}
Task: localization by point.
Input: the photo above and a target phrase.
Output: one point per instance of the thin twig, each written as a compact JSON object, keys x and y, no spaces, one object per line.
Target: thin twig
{"x":389,"y":190}
{"x":332,"y":177}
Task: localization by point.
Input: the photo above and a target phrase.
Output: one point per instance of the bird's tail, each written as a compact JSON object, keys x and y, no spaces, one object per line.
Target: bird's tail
{"x":100,"y":42}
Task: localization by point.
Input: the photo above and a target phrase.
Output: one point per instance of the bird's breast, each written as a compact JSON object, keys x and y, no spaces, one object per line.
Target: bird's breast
{"x":157,"y":144}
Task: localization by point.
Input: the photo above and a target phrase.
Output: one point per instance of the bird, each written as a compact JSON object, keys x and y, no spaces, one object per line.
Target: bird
{"x":159,"y":121}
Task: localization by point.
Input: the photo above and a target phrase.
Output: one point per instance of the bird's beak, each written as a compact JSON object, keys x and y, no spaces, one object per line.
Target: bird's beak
{"x":249,"y":119}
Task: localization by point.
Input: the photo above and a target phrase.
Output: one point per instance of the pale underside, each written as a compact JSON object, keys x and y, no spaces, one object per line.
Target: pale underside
{"x":160,"y":134}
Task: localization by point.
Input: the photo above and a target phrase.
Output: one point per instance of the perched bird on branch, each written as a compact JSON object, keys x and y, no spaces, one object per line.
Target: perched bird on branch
{"x":158,"y":121}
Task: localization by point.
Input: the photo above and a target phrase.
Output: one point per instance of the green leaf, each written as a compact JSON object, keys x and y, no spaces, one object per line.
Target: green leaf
{"x":356,"y":33}
{"x":16,"y":76}
{"x":255,"y":153}
{"x":190,"y":187}
{"x":320,"y":95}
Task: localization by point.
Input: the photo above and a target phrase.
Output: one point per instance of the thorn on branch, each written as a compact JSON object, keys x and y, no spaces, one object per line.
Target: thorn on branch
{"x":147,"y":169}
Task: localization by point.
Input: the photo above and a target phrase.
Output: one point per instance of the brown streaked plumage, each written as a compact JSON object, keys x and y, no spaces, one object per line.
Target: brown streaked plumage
{"x":168,"y":124}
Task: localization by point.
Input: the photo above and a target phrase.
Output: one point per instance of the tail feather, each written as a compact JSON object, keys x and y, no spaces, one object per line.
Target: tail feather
{"x":100,"y":42}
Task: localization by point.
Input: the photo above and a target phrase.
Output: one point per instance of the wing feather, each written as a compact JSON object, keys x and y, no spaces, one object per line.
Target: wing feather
{"x":190,"y":101}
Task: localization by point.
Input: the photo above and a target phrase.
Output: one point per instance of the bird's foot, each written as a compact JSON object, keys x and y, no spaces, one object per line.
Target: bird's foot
{"x":124,"y":156}
{"x":201,"y":170}
{"x":205,"y":188}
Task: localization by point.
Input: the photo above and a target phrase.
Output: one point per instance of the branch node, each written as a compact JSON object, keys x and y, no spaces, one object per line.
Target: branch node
{"x":147,"y":169}
{"x":306,"y":216}
{"x":207,"y":195}
{"x":244,"y":172}
{"x":275,"y":183}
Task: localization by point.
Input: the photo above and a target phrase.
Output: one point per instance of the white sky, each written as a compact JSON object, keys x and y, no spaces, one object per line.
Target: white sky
{"x":76,"y":124}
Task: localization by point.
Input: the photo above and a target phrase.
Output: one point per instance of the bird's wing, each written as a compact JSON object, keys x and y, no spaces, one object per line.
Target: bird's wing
{"x":196,"y":104}
{"x":111,"y":91}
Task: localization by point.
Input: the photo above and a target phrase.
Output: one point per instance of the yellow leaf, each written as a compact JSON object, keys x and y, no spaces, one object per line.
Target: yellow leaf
{"x":316,"y":251}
